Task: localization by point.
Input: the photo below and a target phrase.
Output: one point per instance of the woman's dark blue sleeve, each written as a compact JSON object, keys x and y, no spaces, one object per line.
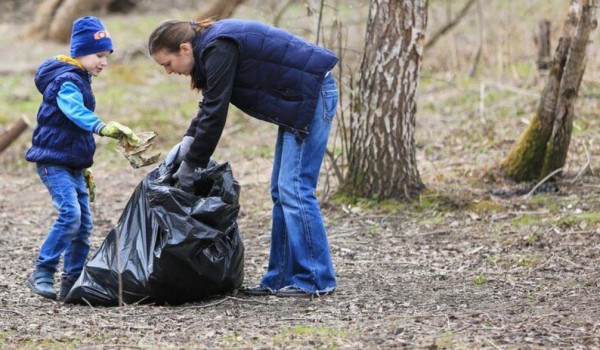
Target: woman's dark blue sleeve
{"x":220,"y":63}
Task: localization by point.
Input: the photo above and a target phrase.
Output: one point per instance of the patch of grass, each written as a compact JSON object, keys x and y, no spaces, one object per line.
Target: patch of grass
{"x":296,"y":335}
{"x":439,"y":202}
{"x":18,"y":95}
{"x":526,"y":261}
{"x":3,"y":335}
{"x":479,"y":280}
{"x":493,"y":259}
{"x":536,"y":236}
{"x":53,"y":344}
{"x":545,"y":201}
{"x":527,"y":220}
{"x":486,"y":207}
{"x":590,"y":218}
{"x":258,"y":152}
{"x":385,"y":207}
{"x":434,"y":220}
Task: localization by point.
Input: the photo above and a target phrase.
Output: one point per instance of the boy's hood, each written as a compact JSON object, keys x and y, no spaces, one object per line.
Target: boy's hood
{"x":54,"y":67}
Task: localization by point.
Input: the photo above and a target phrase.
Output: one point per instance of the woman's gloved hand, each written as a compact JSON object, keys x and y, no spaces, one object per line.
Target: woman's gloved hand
{"x":186,"y":175}
{"x":90,"y":183}
{"x":118,"y":131}
{"x":178,"y":152}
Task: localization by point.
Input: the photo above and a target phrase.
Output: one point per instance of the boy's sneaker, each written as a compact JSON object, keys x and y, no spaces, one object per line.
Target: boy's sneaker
{"x":41,"y":282}
{"x":66,"y":283}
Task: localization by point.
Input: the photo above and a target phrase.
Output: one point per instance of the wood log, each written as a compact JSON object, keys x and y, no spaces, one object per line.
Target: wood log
{"x":11,"y":134}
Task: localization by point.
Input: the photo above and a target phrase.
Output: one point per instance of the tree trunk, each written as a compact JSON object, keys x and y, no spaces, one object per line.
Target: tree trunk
{"x":558,"y":145}
{"x":526,"y":158}
{"x":381,"y":156}
{"x":220,"y":9}
{"x":542,"y":148}
{"x":70,"y":10}
{"x":54,"y":18}
{"x":543,"y":43}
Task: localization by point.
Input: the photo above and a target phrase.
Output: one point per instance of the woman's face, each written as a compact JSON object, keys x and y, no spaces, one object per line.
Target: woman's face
{"x":181,"y":62}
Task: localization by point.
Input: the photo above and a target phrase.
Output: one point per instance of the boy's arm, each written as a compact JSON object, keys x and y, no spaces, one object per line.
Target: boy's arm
{"x":70,"y":102}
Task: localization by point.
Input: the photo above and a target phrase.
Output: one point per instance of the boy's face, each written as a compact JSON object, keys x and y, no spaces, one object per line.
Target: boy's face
{"x":181,"y":62}
{"x":94,"y":63}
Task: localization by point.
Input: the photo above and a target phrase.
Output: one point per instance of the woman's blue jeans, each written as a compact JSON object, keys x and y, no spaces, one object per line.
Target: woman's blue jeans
{"x":300,"y":255}
{"x":73,"y":227}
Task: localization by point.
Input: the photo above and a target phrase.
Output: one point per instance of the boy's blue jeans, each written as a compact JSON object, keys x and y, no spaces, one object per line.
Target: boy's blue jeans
{"x":300,"y":255}
{"x":73,"y":227}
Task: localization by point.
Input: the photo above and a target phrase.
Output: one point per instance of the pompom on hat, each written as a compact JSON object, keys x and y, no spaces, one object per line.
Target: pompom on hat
{"x":89,"y":36}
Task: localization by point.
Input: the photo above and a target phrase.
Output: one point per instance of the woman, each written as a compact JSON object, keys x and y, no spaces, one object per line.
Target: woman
{"x":277,"y":77}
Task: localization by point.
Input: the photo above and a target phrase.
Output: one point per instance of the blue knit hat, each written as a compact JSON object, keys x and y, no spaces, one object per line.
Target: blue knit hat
{"x":89,"y":36}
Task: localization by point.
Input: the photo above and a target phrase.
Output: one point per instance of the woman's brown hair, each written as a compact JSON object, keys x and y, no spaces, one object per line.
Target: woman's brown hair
{"x":170,"y":34}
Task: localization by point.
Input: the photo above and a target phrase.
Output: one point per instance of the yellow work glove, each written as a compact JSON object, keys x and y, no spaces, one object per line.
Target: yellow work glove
{"x":90,"y":183}
{"x":118,"y":131}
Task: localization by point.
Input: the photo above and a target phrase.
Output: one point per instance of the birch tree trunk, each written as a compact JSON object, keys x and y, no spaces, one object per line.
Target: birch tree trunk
{"x":543,"y":147}
{"x":381,"y":156}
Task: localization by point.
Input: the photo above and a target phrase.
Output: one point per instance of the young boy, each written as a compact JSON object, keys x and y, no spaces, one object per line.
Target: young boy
{"x":63,"y":147}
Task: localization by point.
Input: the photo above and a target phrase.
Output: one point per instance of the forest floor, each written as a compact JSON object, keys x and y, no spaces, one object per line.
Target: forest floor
{"x":474,"y":262}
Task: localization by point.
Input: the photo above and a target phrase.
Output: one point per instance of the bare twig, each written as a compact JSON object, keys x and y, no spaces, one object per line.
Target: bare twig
{"x":477,"y":57}
{"x":528,"y":195}
{"x":491,"y":343}
{"x":11,"y":311}
{"x":585,"y":167}
{"x":572,"y":263}
{"x":437,"y":35}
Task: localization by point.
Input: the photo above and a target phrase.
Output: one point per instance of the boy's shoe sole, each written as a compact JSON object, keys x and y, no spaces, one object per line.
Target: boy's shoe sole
{"x":45,"y":294}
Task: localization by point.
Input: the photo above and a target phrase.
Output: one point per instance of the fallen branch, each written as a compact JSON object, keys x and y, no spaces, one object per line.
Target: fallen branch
{"x":528,"y":195}
{"x":7,"y":137}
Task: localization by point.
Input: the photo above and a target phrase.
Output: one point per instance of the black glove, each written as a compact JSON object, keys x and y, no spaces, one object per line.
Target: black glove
{"x":178,"y":152}
{"x":186,"y":175}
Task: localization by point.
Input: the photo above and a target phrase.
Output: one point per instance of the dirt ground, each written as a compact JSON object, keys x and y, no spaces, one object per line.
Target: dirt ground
{"x":472,"y":281}
{"x":469,"y":264}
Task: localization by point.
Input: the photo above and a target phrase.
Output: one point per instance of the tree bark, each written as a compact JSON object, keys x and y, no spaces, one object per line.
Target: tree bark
{"x":70,"y":10}
{"x":381,"y":156}
{"x":220,"y":9}
{"x":543,"y":44}
{"x":543,"y":147}
{"x":54,"y":18}
{"x":558,"y":145}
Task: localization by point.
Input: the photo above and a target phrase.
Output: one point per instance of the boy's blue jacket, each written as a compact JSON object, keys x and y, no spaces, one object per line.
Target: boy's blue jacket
{"x":56,"y":139}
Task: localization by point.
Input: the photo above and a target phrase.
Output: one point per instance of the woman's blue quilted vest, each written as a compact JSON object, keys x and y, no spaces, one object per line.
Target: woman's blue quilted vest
{"x":279,"y":75}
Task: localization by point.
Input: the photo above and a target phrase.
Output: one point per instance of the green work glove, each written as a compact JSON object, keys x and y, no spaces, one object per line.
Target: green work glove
{"x":118,"y":131}
{"x":90,"y":183}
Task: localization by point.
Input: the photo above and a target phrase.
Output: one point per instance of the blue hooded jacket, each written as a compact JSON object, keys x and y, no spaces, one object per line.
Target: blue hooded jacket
{"x":56,"y":139}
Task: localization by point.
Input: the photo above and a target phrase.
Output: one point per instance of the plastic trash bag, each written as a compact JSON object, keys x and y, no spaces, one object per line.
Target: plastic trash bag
{"x":174,"y":247}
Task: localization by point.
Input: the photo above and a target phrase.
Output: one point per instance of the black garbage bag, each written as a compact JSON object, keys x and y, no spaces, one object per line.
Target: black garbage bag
{"x":173,"y":246}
